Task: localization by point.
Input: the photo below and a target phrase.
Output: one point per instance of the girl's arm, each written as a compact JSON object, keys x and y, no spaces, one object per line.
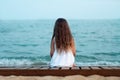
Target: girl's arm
{"x":73,"y":47}
{"x":52,"y":49}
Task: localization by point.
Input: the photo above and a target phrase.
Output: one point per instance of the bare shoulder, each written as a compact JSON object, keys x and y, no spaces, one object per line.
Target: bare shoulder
{"x":52,"y":47}
{"x":73,"y":42}
{"x":73,"y":47}
{"x":53,"y":41}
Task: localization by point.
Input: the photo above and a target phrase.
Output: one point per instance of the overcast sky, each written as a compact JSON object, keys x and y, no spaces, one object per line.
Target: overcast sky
{"x":52,"y":9}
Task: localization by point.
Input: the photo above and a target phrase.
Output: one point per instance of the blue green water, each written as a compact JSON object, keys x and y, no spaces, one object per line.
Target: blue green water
{"x":27,"y":42}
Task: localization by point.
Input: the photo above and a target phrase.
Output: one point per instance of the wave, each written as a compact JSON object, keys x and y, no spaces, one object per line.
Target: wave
{"x":5,"y":30}
{"x":26,"y":45}
{"x":108,"y":54}
{"x":98,"y":63}
{"x":29,"y":58}
{"x":16,"y":52}
{"x":14,"y":62}
{"x":85,"y":58}
{"x":23,"y":61}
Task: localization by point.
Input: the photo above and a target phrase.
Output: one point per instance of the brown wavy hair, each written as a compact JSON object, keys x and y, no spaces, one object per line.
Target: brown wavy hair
{"x":62,"y":35}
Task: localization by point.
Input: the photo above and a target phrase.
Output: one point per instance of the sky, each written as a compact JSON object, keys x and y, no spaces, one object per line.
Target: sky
{"x":52,"y":9}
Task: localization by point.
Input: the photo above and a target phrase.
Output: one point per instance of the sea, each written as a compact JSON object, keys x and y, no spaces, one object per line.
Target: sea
{"x":27,"y":42}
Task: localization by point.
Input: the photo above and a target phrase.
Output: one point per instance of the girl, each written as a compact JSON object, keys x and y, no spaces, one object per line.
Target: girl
{"x":62,"y":50}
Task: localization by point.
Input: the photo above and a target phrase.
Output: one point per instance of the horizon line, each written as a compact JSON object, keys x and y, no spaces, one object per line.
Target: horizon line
{"x":65,"y":18}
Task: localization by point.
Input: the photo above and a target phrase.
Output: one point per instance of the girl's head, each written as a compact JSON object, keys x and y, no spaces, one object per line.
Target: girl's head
{"x":62,"y":34}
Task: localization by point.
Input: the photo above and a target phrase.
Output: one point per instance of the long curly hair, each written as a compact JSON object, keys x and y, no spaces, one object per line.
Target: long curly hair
{"x":62,"y":35}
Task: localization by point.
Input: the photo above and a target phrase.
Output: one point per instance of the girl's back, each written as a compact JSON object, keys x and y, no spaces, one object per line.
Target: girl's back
{"x":62,"y":45}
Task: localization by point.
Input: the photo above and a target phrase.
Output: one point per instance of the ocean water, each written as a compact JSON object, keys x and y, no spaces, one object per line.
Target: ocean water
{"x":27,"y":42}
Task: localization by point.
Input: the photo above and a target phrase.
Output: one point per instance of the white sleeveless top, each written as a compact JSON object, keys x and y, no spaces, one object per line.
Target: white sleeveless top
{"x":62,"y":59}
